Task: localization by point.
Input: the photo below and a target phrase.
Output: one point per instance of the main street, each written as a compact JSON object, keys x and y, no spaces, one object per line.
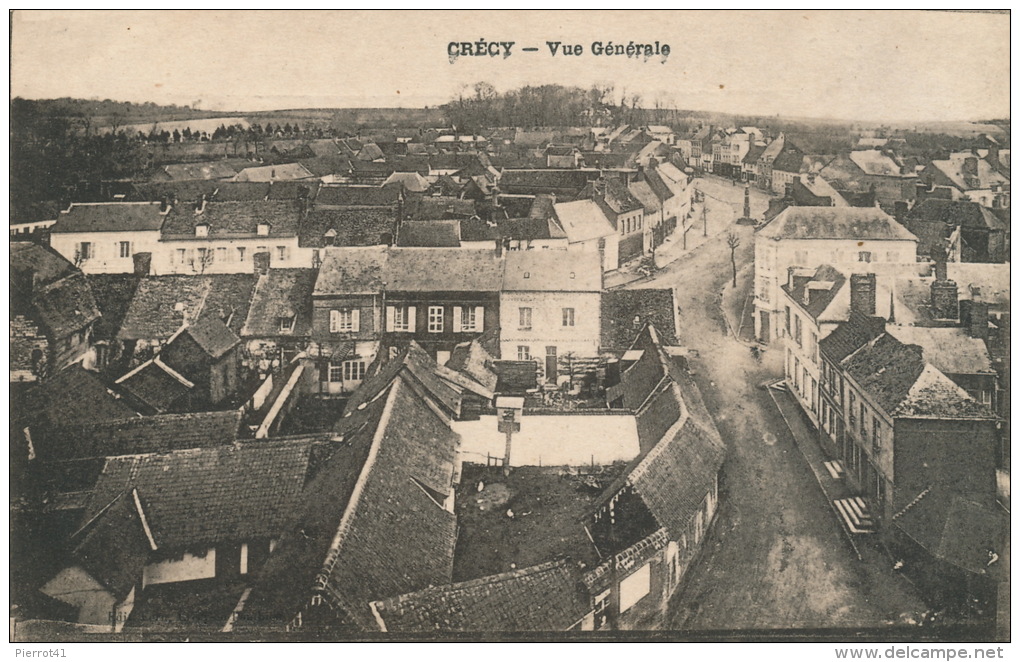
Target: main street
{"x":776,"y":557}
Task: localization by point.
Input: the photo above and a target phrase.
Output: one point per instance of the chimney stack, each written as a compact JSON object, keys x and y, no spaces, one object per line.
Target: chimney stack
{"x":970,"y":166}
{"x":862,"y":293}
{"x":262,"y":262}
{"x":141,"y":263}
{"x":977,"y":323}
{"x":944,"y":298}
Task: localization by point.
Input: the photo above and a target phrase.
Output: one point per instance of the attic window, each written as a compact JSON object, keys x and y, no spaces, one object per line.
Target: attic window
{"x":571,"y":275}
{"x":287,"y":323}
{"x":202,"y":230}
{"x":527,"y":274}
{"x":330,"y":237}
{"x":263,"y":229}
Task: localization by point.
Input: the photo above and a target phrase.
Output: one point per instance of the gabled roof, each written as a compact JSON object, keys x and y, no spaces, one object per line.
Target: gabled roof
{"x":672,"y":177}
{"x":753,"y":153}
{"x":876,"y":162}
{"x":113,"y":294}
{"x":154,"y":313}
{"x":415,"y":364}
{"x":569,"y":182}
{"x":241,"y":191}
{"x":434,"y":208}
{"x":429,"y":234}
{"x":950,"y":349}
{"x":294,"y":189}
{"x":135,"y":435}
{"x":114,"y":547}
{"x":620,"y":307}
{"x":552,"y":271}
{"x":955,"y":213}
{"x":411,"y":181}
{"x":109,"y":217}
{"x":69,"y":397}
{"x":349,"y":226}
{"x":642,"y":190}
{"x":474,"y":360}
{"x":583,"y":220}
{"x":235,"y":219}
{"x":360,"y":270}
{"x":856,"y":223}
{"x":954,"y":168}
{"x":177,"y":192}
{"x":443,"y":270}
{"x":850,"y":336}
{"x":152,"y":385}
{"x":203,"y":170}
{"x":273,"y":172}
{"x":357,"y":196}
{"x":210,"y":334}
{"x":547,"y":597}
{"x":62,"y":306}
{"x":814,"y":294}
{"x":212,"y":495}
{"x":282,"y":293}
{"x":613,"y":194}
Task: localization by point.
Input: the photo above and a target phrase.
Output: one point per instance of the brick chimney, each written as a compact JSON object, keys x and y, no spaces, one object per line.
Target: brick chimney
{"x":262,"y":262}
{"x":788,"y":192}
{"x":862,"y":293}
{"x":141,"y":263}
{"x":970,"y":166}
{"x":944,"y":299}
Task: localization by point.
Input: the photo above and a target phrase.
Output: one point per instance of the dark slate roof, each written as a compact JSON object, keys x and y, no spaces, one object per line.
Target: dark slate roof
{"x":434,"y":208}
{"x":210,"y":334}
{"x":358,"y":196}
{"x":109,"y":217}
{"x":569,"y":182}
{"x":113,"y":294}
{"x":955,"y":213}
{"x":294,"y":189}
{"x":886,"y":369}
{"x":236,"y":219}
{"x":549,"y":597}
{"x":835,"y":223}
{"x":177,"y":192}
{"x":817,"y":299}
{"x":152,"y":386}
{"x":203,"y":170}
{"x":361,"y":226}
{"x":620,"y":307}
{"x":789,"y":160}
{"x":211,"y":495}
{"x":45,"y":264}
{"x":613,"y":194}
{"x":429,"y":234}
{"x":65,"y":306}
{"x":443,"y":270}
{"x":474,"y":360}
{"x":70,"y":397}
{"x":850,"y":336}
{"x":153,"y":314}
{"x":241,"y":192}
{"x":359,"y":270}
{"x":415,"y":364}
{"x":114,"y":548}
{"x":753,"y":153}
{"x":281,"y":293}
{"x":643,"y":378}
{"x":138,"y":434}
{"x":344,"y":546}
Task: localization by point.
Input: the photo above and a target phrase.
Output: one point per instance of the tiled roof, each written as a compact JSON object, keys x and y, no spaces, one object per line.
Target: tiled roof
{"x":955,"y":213}
{"x":443,"y":270}
{"x":109,"y":217}
{"x":211,"y":335}
{"x":430,"y":234}
{"x":568,"y":182}
{"x":850,"y":336}
{"x":434,"y":208}
{"x":211,"y":495}
{"x":65,"y":306}
{"x":274,"y":172}
{"x":475,"y":361}
{"x":934,"y":395}
{"x":642,"y":190}
{"x":114,"y":548}
{"x":613,"y":194}
{"x":203,"y":170}
{"x":236,"y":219}
{"x":154,"y":387}
{"x":753,"y":154}
{"x":294,"y":189}
{"x":177,"y":192}
{"x":411,"y":181}
{"x":67,"y":398}
{"x":547,"y":597}
{"x":954,"y":169}
{"x":357,"y":196}
{"x":113,"y":294}
{"x":620,"y":307}
{"x":949,"y":349}
{"x":359,"y":270}
{"x":552,"y":271}
{"x":817,"y":298}
{"x":137,"y":434}
{"x":583,"y":220}
{"x":414,"y":362}
{"x":241,"y":191}
{"x":153,"y":311}
{"x":835,"y":223}
{"x":281,"y":293}
{"x":360,"y":226}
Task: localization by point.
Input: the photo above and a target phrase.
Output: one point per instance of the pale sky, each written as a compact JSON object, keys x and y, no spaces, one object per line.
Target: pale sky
{"x":871,"y":65}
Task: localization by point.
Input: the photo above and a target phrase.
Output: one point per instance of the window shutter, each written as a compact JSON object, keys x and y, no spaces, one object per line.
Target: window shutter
{"x":356,"y":320}
{"x":457,"y":312}
{"x":479,"y":318}
{"x":389,"y":318}
{"x":334,"y":321}
{"x":412,"y":324}
{"x":323,"y":370}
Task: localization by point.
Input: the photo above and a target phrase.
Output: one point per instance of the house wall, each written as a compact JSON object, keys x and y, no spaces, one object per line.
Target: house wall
{"x":547,"y":327}
{"x":96,"y":605}
{"x":185,"y":568}
{"x":182,"y":256}
{"x":223,"y":376}
{"x":772,"y":258}
{"x":611,"y":257}
{"x":65,"y":350}
{"x":446,"y":339}
{"x":26,"y":340}
{"x":106,"y":249}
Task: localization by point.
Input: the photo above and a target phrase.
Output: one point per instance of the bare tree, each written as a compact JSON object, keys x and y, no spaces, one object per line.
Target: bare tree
{"x":733,"y":242}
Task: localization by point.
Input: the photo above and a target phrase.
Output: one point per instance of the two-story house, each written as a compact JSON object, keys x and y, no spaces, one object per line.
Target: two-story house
{"x":808,"y":237}
{"x":550,"y":308}
{"x":224,"y":237}
{"x":588,"y":229}
{"x":625,"y":213}
{"x":104,"y":237}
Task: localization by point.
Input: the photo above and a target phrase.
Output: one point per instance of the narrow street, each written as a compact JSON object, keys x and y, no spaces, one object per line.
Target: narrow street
{"x":776,"y":557}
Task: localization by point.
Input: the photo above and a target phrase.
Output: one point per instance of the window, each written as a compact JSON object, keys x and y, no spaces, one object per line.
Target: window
{"x":202,"y":253}
{"x":435,"y":319}
{"x":523,"y":353}
{"x":240,"y":253}
{"x":568,"y":317}
{"x":263,"y":230}
{"x":221,"y":254}
{"x":601,"y":605}
{"x":400,"y":318}
{"x":876,"y":428}
{"x":864,"y":256}
{"x":800,"y":258}
{"x":787,"y":320}
{"x":287,"y":323}
{"x":181,"y":258}
{"x":125,"y":249}
{"x":85,"y":250}
{"x":201,"y":230}
{"x":525,"y":319}
{"x":281,"y":253}
{"x":354,"y":370}
{"x":346,"y":320}
{"x":635,"y":587}
{"x":336,"y":372}
{"x":467,"y":318}
{"x":797,"y":330}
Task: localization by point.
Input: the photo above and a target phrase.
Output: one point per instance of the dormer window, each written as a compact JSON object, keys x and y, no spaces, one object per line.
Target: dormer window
{"x":263,"y":229}
{"x":527,"y":274}
{"x":329,"y":239}
{"x":202,"y":230}
{"x":286,"y":323}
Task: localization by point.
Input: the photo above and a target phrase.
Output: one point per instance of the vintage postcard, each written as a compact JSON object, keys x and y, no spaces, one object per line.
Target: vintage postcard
{"x":450,"y":325}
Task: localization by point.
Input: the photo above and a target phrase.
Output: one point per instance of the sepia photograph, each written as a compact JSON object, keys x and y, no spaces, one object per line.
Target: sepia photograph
{"x":511,"y":326}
